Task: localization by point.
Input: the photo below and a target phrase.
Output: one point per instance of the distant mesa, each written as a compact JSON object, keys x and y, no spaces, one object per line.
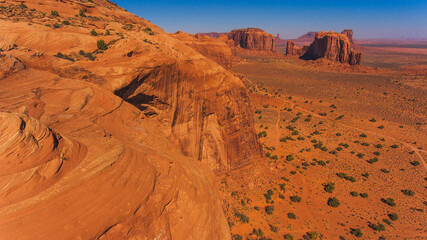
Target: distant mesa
{"x":213,"y":34}
{"x":308,"y":37}
{"x":253,"y":39}
{"x":280,"y":41}
{"x":332,"y":46}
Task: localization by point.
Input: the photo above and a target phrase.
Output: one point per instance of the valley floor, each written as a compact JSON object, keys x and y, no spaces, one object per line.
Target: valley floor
{"x":356,"y":137}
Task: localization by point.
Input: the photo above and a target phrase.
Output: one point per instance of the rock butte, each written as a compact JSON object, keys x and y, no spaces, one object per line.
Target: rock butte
{"x":253,"y":39}
{"x":122,"y":147}
{"x":332,"y":46}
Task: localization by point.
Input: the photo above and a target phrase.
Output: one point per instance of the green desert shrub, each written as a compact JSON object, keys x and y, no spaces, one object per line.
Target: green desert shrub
{"x":102,"y":45}
{"x":393,"y":216}
{"x":356,"y":232}
{"x":333,"y":202}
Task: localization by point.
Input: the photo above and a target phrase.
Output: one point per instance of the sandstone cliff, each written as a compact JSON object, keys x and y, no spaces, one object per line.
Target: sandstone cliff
{"x":332,"y":46}
{"x":214,"y":49}
{"x":253,"y":39}
{"x":117,"y":142}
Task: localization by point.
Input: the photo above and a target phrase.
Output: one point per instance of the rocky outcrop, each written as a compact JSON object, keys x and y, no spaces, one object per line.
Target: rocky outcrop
{"x":332,"y":46}
{"x":214,"y":49}
{"x":213,"y":34}
{"x":292,"y":49}
{"x":349,"y":34}
{"x":121,"y":147}
{"x":308,"y":37}
{"x":253,"y":39}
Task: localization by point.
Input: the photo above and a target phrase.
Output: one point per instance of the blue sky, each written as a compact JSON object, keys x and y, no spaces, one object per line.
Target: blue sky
{"x":368,"y":18}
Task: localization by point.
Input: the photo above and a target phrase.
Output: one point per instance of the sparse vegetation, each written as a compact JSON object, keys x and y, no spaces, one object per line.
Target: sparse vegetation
{"x":356,"y":232}
{"x":269,"y":209}
{"x":242,"y":217}
{"x":408,"y":192}
{"x":87,"y":55}
{"x":364,"y":195}
{"x":393,"y":216}
{"x":415,"y":163}
{"x":377,"y":227}
{"x":295,"y":198}
{"x":388,"y":201}
{"x":346,"y":177}
{"x":93,"y":32}
{"x":54,"y":13}
{"x":292,"y":216}
{"x":354,"y":194}
{"x":64,"y":56}
{"x":333,"y":202}
{"x":101,"y":45}
{"x":329,"y":187}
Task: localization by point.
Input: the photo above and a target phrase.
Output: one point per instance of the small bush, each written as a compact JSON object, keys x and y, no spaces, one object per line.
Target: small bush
{"x":408,"y":192}
{"x":313,"y":235}
{"x":354,"y":194}
{"x":389,"y":201}
{"x":242,"y":217}
{"x":22,"y":5}
{"x":54,"y":14}
{"x":364,"y":195}
{"x":262,"y":134}
{"x":394,"y":146}
{"x":356,"y":232}
{"x":387,"y":221}
{"x":377,"y":227}
{"x":93,"y":32}
{"x":363,"y":135}
{"x":295,"y":198}
{"x":258,"y":232}
{"x":288,"y":237}
{"x":82,"y":13}
{"x":290,"y":157}
{"x":63,"y":56}
{"x":333,"y":202}
{"x":360,"y":155}
{"x":385,"y":170}
{"x":292,"y":216}
{"x":377,"y":153}
{"x":65,"y":22}
{"x":393,"y":216}
{"x":269,"y":209}
{"x":329,"y":187}
{"x":415,"y":163}
{"x":102,"y":45}
{"x":372,"y":120}
{"x":373,"y":160}
{"x":381,"y":127}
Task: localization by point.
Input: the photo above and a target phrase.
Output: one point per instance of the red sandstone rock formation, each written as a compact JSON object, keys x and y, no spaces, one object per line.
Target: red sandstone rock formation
{"x":292,"y":49}
{"x":333,"y":46}
{"x":214,"y":49}
{"x":112,"y":144}
{"x":253,"y":39}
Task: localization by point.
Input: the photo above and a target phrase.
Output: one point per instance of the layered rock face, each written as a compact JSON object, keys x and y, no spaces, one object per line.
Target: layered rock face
{"x":213,"y":34}
{"x":332,"y":46}
{"x":292,"y":49}
{"x":349,"y":33}
{"x":253,"y":39}
{"x":113,"y":144}
{"x":214,"y":49}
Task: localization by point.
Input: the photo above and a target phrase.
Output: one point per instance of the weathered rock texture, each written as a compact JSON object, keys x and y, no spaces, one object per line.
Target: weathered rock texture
{"x":214,"y":49}
{"x":117,"y":144}
{"x":292,"y":49}
{"x":332,"y":46}
{"x":253,"y":39}
{"x":213,"y":34}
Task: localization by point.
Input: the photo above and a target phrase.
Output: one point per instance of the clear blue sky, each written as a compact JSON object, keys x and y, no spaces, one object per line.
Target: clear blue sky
{"x":368,"y":18}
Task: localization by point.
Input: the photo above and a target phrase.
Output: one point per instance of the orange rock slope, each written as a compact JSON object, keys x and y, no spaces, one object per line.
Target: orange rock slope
{"x":115,"y":143}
